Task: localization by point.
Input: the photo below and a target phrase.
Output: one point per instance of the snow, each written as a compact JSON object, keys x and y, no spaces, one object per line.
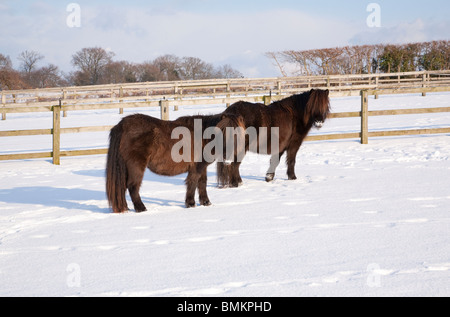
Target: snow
{"x":361,"y":220}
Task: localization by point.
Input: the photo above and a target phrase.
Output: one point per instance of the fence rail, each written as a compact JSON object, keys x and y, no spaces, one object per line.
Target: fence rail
{"x":164,"y":105}
{"x":207,"y":91}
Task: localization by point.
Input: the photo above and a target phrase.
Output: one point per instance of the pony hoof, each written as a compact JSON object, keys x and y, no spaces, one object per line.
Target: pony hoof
{"x":140,"y":207}
{"x":292,"y":178}
{"x":190,"y":205}
{"x":270,"y":177}
{"x":206,"y":203}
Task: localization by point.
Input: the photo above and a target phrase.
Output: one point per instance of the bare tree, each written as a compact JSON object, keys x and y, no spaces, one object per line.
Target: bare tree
{"x":119,"y":72}
{"x":366,"y":59}
{"x":192,"y":68}
{"x":277,"y":62}
{"x":147,"y":71}
{"x":9,"y":78}
{"x":47,"y":76}
{"x":302,"y":59}
{"x":29,"y":60}
{"x":91,"y":63}
{"x":169,"y":67}
{"x":226,"y":71}
{"x":325,"y":60}
{"x":5,"y":62}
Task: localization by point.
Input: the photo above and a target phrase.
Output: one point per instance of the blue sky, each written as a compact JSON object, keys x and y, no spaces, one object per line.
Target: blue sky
{"x":232,"y":31}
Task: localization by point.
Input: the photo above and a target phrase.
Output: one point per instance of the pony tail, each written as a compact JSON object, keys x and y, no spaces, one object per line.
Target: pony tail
{"x":116,"y":173}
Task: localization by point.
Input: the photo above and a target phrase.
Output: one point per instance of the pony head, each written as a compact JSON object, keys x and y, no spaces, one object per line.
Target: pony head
{"x":317,"y":107}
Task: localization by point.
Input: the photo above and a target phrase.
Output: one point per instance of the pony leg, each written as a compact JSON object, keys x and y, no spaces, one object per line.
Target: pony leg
{"x":274,"y":162}
{"x":235,"y":176}
{"x":290,"y":160}
{"x":135,"y":177}
{"x":203,"y":195}
{"x":192,"y":181}
{"x":228,"y":175}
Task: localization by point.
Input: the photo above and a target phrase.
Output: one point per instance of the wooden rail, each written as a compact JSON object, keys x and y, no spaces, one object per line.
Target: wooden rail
{"x":201,"y":91}
{"x":164,"y":104}
{"x":364,"y":114}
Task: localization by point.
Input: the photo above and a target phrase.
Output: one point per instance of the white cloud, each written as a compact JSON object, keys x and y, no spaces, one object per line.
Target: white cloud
{"x":416,"y":31}
{"x":139,"y":35}
{"x":238,"y":38}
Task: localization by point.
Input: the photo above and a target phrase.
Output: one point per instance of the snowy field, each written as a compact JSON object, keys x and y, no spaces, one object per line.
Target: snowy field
{"x":361,"y":220}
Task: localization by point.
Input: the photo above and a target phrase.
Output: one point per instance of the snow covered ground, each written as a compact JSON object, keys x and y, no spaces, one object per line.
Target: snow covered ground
{"x":361,"y":220}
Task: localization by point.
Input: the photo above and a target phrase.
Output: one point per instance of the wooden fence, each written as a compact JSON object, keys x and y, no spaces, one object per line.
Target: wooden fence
{"x":364,"y":114}
{"x":165,"y":104}
{"x":203,"y":92}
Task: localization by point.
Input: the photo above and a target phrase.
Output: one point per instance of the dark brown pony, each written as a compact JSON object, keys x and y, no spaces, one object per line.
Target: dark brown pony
{"x":139,"y":142}
{"x":293,"y":116}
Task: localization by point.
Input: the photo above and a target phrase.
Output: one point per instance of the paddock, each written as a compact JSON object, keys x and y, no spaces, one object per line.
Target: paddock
{"x":360,"y":220}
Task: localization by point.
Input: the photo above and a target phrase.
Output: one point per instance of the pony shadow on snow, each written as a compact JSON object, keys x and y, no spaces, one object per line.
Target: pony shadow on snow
{"x":77,"y":198}
{"x":82,"y":199}
{"x":154,"y":178}
{"x":70,"y":198}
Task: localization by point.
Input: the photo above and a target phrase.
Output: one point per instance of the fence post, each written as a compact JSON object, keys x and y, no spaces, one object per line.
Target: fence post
{"x":376,"y":84}
{"x":364,"y":117}
{"x":176,"y":108}
{"x":3,"y":106}
{"x":424,"y":85}
{"x":164,"y":104}
{"x":267,"y":100}
{"x":56,"y":132}
{"x":228,"y":95}
{"x":121,"y":100}
{"x":64,"y":97}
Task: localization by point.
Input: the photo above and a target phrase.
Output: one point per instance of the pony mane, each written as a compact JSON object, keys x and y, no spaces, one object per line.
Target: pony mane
{"x":230,"y":120}
{"x":318,"y":106}
{"x":294,"y":102}
{"x":313,"y":105}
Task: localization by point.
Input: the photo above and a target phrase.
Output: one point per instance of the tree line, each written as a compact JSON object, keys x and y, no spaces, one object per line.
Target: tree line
{"x":365,"y":59}
{"x":96,"y":66}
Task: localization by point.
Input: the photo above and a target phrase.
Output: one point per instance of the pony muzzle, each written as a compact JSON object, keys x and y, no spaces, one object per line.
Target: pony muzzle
{"x":319,"y":124}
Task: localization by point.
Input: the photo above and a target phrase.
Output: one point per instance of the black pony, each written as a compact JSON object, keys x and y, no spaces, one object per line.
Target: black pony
{"x":293,"y":117}
{"x":139,"y":142}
